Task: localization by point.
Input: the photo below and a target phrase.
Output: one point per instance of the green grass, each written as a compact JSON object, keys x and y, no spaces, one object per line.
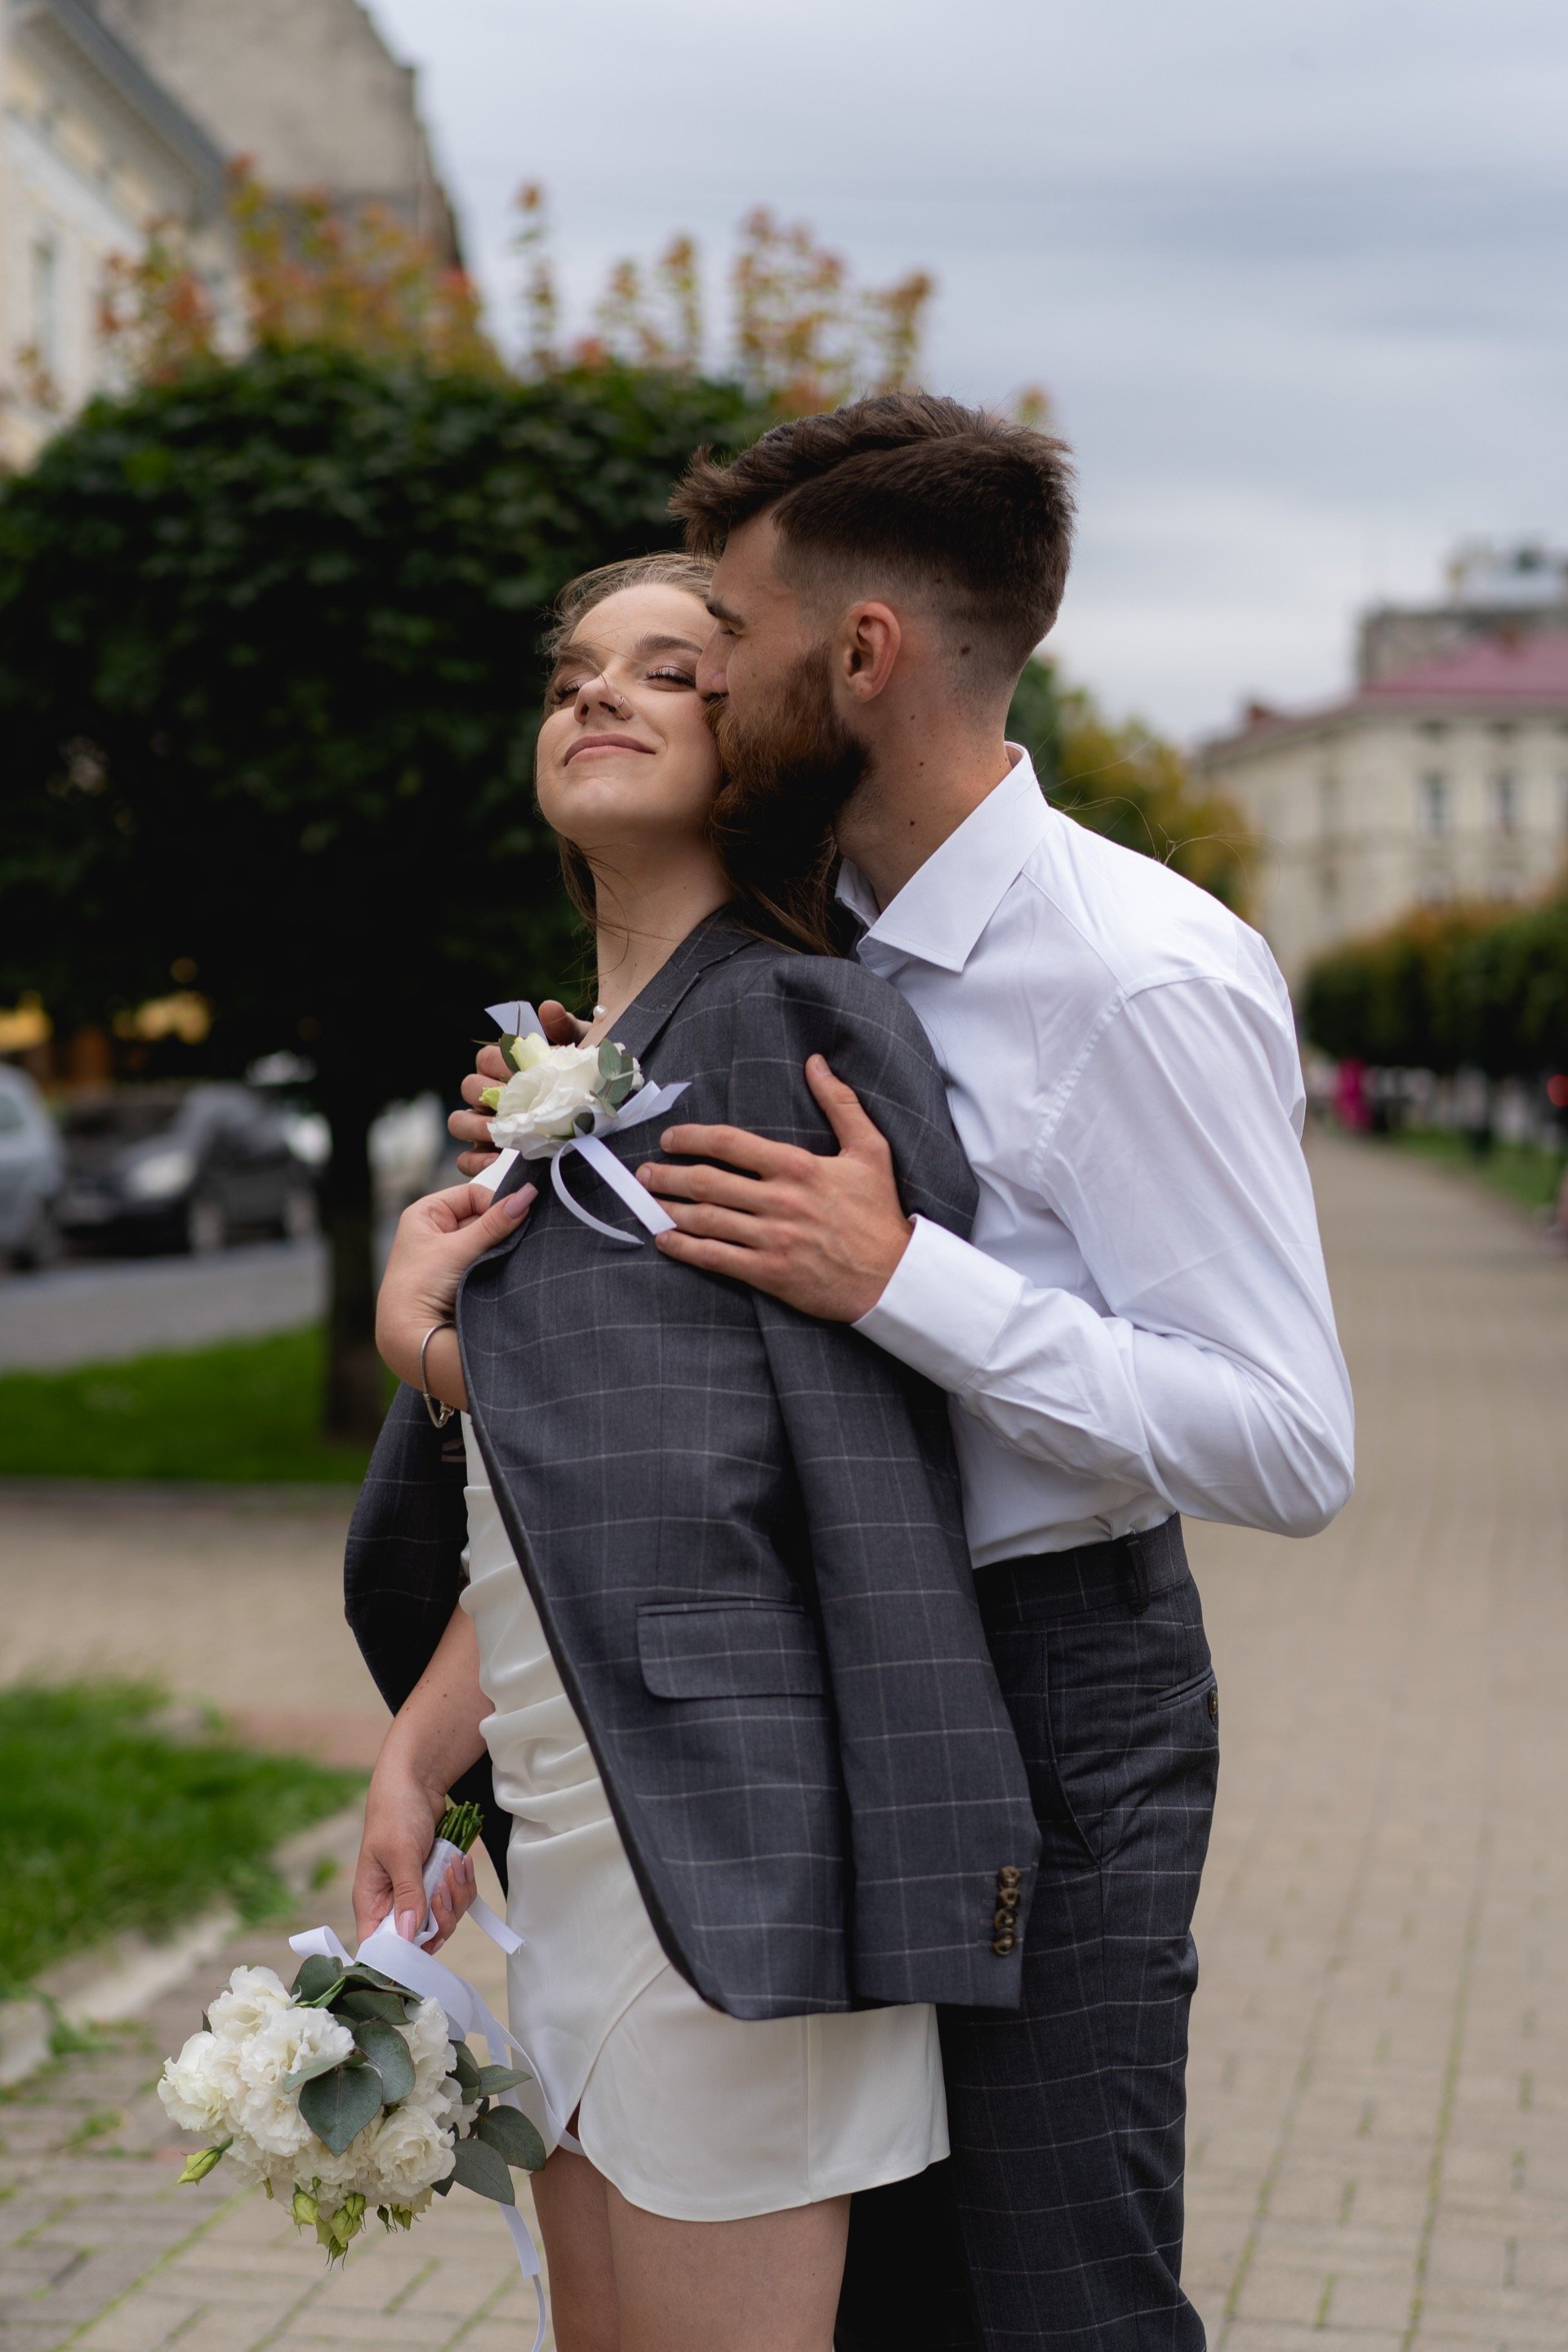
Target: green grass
{"x":106,"y":1825}
{"x":249,"y":1411}
{"x":1521,"y":1172}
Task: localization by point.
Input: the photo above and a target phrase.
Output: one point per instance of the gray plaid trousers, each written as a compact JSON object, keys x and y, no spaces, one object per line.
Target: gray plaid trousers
{"x":1057,"y":2223}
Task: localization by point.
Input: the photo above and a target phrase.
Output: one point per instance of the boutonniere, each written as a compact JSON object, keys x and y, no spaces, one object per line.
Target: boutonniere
{"x":564,"y":1098}
{"x":557,"y":1093}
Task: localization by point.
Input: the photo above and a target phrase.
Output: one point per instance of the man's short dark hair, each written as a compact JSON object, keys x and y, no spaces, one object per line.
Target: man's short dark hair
{"x":968,"y":511}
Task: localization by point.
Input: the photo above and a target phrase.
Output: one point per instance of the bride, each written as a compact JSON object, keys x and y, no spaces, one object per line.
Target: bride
{"x":694,"y":1584}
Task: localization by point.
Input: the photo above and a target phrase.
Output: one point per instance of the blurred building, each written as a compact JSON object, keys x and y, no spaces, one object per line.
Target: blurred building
{"x":92,"y":150}
{"x":1444,"y":774}
{"x":306,"y":88}
{"x":1493,"y":590}
{"x":121,"y":114}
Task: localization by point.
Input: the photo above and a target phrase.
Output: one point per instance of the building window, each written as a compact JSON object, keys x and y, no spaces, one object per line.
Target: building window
{"x":46,"y":304}
{"x":1433,"y":803}
{"x":1505,"y":801}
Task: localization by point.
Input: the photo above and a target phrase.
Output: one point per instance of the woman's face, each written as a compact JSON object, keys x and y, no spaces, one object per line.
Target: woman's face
{"x":624,"y":756}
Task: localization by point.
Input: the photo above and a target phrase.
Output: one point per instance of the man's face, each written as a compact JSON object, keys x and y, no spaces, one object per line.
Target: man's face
{"x":760,"y":630}
{"x":769,"y":677}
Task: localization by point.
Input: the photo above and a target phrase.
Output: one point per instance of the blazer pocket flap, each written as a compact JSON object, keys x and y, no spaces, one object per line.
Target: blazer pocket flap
{"x":729,"y":1649}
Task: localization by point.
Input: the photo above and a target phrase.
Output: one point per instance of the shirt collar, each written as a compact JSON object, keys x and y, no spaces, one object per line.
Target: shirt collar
{"x":945,"y":905}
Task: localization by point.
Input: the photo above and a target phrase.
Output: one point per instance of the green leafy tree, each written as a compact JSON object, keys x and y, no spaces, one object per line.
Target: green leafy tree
{"x":1128,"y":785}
{"x":268,"y":684}
{"x":1472,"y":985}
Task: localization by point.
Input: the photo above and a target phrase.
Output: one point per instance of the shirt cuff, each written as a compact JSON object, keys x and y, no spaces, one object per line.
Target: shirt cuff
{"x":943,"y":1309}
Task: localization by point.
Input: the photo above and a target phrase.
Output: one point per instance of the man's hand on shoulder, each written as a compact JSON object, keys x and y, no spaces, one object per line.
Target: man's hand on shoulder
{"x":822,"y":1234}
{"x":472,"y":1127}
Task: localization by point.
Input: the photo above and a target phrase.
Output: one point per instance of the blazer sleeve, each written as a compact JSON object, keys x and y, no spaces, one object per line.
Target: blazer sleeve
{"x":937,"y":1794}
{"x":403,"y":1570}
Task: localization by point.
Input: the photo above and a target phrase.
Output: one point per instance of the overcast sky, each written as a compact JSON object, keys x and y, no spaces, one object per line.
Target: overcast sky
{"x":1295,"y":272}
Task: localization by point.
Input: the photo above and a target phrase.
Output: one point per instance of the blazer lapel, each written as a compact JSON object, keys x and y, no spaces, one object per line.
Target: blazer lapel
{"x":717,"y":938}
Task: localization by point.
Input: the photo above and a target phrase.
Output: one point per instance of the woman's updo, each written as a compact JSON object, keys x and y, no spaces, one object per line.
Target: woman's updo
{"x":782,"y":888}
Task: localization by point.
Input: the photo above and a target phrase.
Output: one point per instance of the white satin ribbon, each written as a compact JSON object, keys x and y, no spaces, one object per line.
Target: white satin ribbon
{"x":649,"y":1102}
{"x":468,"y":2012}
{"x":517,"y":1019}
{"x":441,"y":1857}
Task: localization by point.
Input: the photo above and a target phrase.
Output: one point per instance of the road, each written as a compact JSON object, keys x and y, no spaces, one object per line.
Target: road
{"x":100,"y":1312}
{"x":1379,"y":2122}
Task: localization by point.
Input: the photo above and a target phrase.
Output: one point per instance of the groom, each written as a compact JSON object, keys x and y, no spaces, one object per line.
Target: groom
{"x":1140,"y":1328}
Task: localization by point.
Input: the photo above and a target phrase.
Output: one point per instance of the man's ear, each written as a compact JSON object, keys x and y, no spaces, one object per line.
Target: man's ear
{"x":870,"y":636}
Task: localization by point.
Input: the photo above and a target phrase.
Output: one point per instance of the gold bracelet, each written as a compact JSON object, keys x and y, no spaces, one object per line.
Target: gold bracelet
{"x":440,"y":1414}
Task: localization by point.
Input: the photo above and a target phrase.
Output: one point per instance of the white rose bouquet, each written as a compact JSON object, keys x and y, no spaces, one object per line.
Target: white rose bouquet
{"x":557,"y":1093}
{"x":345,"y":2093}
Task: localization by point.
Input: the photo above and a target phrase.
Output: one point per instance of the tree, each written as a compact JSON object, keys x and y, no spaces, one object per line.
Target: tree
{"x":267,"y":684}
{"x":1472,"y":985}
{"x":1128,"y":785}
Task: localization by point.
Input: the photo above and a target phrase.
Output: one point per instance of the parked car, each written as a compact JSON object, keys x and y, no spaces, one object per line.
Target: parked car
{"x":191,"y":1167}
{"x":31,"y":1166}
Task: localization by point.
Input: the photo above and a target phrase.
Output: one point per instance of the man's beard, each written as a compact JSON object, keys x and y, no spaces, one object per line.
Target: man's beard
{"x":789,"y":768}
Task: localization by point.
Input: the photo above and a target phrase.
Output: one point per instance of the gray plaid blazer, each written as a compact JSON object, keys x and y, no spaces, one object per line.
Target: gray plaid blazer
{"x":742,"y":1527}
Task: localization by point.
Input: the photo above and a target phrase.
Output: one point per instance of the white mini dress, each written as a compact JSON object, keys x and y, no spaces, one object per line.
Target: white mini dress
{"x":689,"y":2113}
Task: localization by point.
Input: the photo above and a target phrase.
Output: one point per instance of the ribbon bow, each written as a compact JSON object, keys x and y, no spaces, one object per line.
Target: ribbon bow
{"x":520,"y":1020}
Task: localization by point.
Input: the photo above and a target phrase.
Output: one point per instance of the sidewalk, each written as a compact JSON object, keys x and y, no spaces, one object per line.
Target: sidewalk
{"x":1379,"y":2129}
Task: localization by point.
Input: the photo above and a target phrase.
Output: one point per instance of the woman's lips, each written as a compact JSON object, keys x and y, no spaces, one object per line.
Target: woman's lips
{"x":604,"y":743}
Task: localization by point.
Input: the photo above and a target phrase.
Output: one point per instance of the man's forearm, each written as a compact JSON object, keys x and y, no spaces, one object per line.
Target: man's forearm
{"x":1053,"y":1378}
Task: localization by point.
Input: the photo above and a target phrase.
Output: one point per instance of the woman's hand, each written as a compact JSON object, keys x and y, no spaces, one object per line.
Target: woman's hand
{"x":399,"y":1829}
{"x":438,"y":1240}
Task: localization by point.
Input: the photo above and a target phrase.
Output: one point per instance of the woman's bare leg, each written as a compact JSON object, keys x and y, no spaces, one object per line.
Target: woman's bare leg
{"x":572,"y":2201}
{"x":766,"y":2285}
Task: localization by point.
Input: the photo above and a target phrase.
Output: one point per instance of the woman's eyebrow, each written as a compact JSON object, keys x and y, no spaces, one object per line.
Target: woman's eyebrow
{"x":668,"y":645}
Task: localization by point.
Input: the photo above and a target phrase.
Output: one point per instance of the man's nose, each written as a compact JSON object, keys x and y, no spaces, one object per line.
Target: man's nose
{"x":711,"y":667}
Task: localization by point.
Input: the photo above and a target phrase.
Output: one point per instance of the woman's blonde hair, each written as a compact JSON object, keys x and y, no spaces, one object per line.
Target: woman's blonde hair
{"x":783,"y":890}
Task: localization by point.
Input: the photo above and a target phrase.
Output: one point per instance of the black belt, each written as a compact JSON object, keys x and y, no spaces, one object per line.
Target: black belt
{"x":1089,"y":1576}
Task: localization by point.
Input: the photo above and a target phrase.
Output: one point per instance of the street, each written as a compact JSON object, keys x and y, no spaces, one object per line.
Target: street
{"x":1379,"y":2122}
{"x":99,"y":1311}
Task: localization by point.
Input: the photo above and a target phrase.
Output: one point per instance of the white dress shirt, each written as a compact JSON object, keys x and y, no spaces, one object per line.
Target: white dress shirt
{"x":1141,"y":1323}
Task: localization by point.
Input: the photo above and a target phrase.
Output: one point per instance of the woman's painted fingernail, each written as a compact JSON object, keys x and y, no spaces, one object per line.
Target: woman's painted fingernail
{"x":518,"y":1204}
{"x":408,"y":1926}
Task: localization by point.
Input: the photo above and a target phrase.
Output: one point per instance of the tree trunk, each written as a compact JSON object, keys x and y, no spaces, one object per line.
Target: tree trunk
{"x":353,"y":1407}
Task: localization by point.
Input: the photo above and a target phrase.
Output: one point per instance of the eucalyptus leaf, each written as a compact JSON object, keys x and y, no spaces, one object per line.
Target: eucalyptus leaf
{"x":301,"y":2075}
{"x":465,"y":2066}
{"x":611,"y":1062}
{"x":583,"y":1122}
{"x":507,"y":2130}
{"x":316,"y":1975}
{"x":388,"y":2053}
{"x":390,"y":2006}
{"x":616,"y":1094}
{"x":493,"y":2080}
{"x":483,"y":2169}
{"x":339,"y":2105}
